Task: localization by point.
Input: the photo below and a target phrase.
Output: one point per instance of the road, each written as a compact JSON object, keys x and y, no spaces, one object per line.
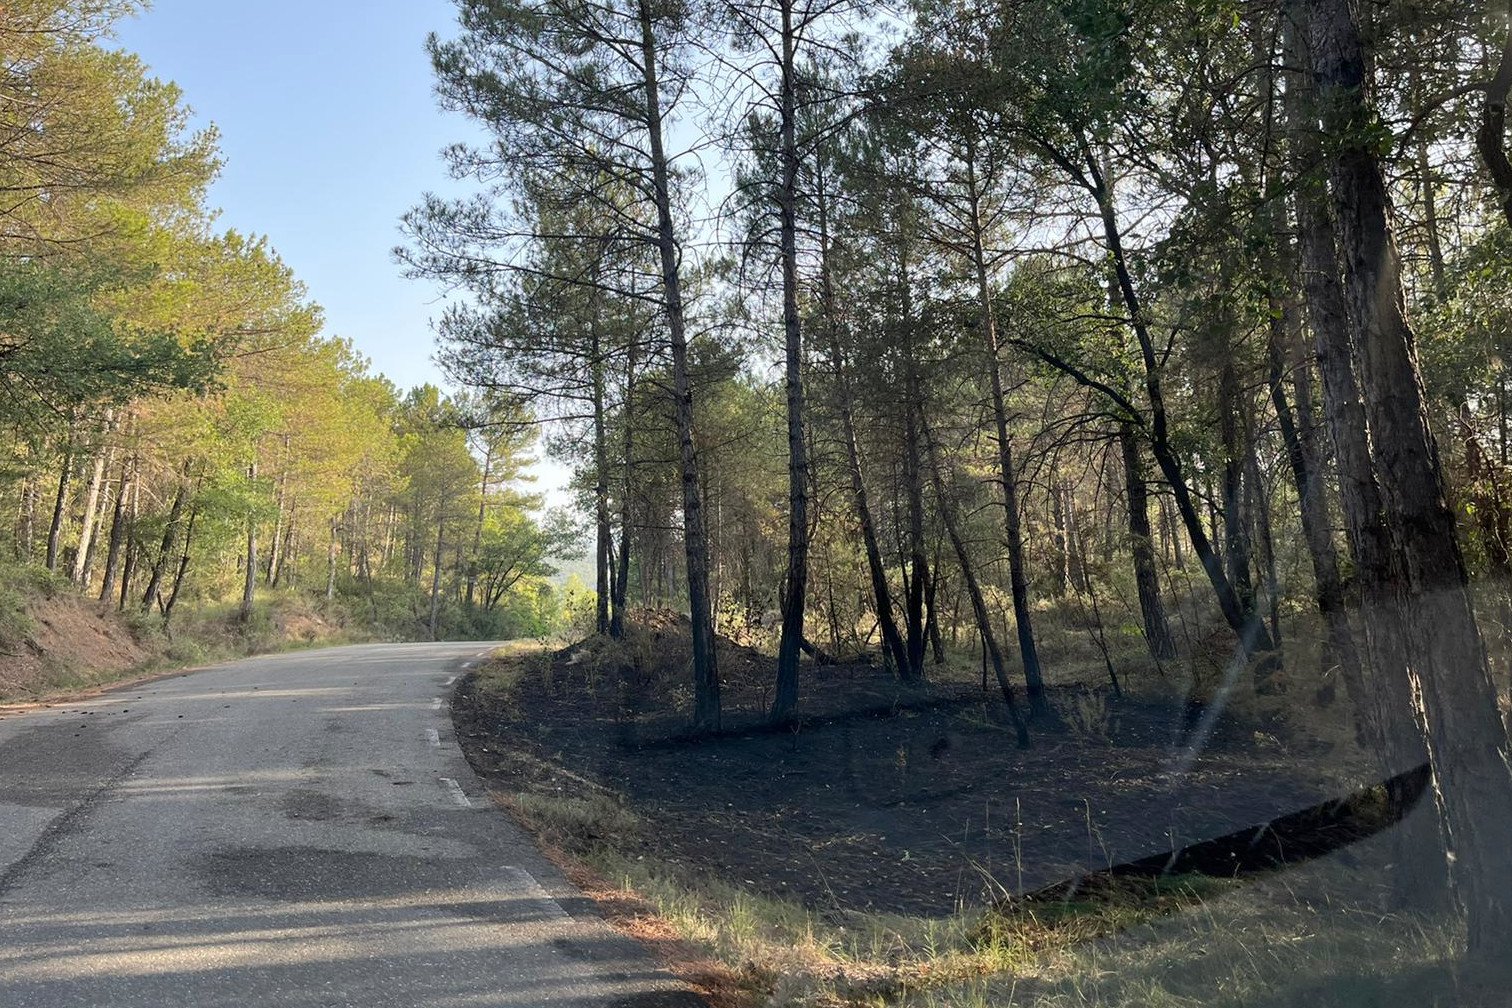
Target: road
{"x":293,"y":830}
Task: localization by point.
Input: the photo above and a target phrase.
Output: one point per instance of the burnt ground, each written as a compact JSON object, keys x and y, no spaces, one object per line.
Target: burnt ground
{"x":886,"y":799}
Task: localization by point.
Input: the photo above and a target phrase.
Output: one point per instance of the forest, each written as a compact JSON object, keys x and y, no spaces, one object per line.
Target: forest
{"x":179,"y":430}
{"x":952,"y":331}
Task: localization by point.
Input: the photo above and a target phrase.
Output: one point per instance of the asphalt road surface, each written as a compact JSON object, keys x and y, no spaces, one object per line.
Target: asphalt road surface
{"x":295,"y":830}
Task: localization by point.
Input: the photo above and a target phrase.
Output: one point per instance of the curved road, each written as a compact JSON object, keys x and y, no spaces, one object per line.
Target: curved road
{"x":294,"y":830}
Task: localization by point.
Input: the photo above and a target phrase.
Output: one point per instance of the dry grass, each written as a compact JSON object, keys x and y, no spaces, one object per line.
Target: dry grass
{"x":1314,"y":935}
{"x":1307,"y":937}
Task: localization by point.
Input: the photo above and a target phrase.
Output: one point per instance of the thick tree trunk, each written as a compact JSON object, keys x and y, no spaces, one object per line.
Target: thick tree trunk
{"x":1467,"y":742}
{"x":1385,"y":709}
{"x":1491,"y":136}
{"x":706,"y":708}
{"x":1157,"y":630}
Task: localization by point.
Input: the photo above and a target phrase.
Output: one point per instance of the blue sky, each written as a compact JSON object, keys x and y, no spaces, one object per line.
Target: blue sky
{"x":329,"y":131}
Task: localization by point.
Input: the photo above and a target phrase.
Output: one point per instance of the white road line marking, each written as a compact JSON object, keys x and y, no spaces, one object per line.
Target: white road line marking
{"x":433,"y":737}
{"x":535,"y":894}
{"x":450,"y":681}
{"x":458,"y":796}
{"x":436,"y":704}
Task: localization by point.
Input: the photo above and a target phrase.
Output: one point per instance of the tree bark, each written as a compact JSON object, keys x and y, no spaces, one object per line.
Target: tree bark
{"x":331,"y":551}
{"x":604,"y":539}
{"x":622,"y":575}
{"x":60,"y":506}
{"x":183,"y":566}
{"x":1157,"y":630}
{"x":1467,"y":742}
{"x":435,"y":590}
{"x":706,"y":708}
{"x":1252,"y":636}
{"x":1039,"y":705}
{"x":83,"y":555}
{"x":1385,"y":708}
{"x":117,"y":530}
{"x":249,"y":583}
{"x":1491,"y":137}
{"x":132,"y":546}
{"x":170,"y":537}
{"x":796,"y":586}
{"x":477,"y":543}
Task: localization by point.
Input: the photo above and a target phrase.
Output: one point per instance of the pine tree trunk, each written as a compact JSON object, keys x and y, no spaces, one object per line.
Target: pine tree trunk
{"x":26,"y":546}
{"x":1467,"y":742}
{"x":82,"y":556}
{"x":918,"y":566}
{"x":1236,"y":538}
{"x":60,"y":506}
{"x":183,"y":567}
{"x":117,"y":531}
{"x":604,"y":539}
{"x":249,"y":582}
{"x":1385,"y":709}
{"x":1157,"y":630}
{"x":796,"y":585}
{"x":477,"y":543}
{"x":331,"y":553}
{"x":1062,"y":544}
{"x":435,"y":590}
{"x":170,"y":538}
{"x":1312,"y":495}
{"x":622,"y":576}
{"x":706,"y":707}
{"x":1039,"y":705}
{"x":132,"y":546}
{"x":1251,"y":633}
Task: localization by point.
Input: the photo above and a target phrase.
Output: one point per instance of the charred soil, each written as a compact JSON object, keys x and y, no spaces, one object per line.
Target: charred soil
{"x":885,"y":798}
